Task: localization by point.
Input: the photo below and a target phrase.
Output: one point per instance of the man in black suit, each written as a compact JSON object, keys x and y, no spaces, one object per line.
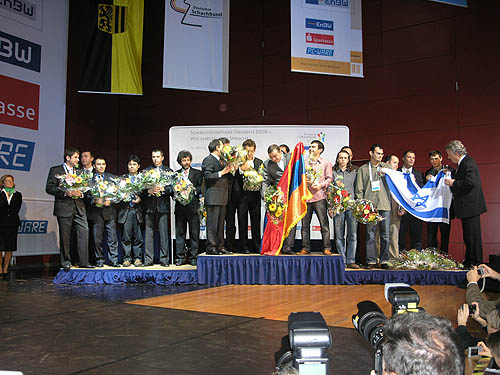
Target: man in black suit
{"x":102,"y":215}
{"x":188,"y":213}
{"x":436,"y":158}
{"x":156,"y":208}
{"x":216,"y":197}
{"x":248,"y":202}
{"x":69,"y":209}
{"x":231,"y":207}
{"x":87,"y":162}
{"x":409,"y":222}
{"x":468,"y":200}
{"x":273,"y":170}
{"x":131,"y":218}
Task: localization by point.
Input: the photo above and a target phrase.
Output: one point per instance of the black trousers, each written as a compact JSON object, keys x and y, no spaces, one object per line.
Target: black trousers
{"x":215,"y":227}
{"x":249,"y":204}
{"x":432,"y":231}
{"x":182,"y":218}
{"x":109,"y":226}
{"x":410,"y":223}
{"x":82,"y":234}
{"x":471,"y":228}
{"x":320,"y":207}
{"x":231,"y":224}
{"x":161,"y":219}
{"x":132,"y":237}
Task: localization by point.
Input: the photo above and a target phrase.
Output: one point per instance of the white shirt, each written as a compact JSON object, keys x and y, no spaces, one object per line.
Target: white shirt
{"x":461,"y":158}
{"x":9,"y":197}
{"x":405,"y":170}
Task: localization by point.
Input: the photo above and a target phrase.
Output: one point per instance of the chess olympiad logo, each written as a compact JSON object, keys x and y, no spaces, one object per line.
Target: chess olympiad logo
{"x":321,"y":136}
{"x":193,"y":11}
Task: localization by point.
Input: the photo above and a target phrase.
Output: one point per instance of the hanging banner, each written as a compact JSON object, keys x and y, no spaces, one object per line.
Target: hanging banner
{"x":196,"y":45}
{"x":459,"y":3}
{"x":111,"y":46}
{"x":326,"y":37}
{"x":33,"y":53}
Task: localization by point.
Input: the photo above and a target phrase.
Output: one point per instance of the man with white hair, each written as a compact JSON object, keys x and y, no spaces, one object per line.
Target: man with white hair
{"x":468,"y":200}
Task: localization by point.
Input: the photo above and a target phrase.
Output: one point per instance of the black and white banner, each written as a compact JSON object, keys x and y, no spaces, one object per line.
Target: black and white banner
{"x":33,"y":52}
{"x":196,"y":45}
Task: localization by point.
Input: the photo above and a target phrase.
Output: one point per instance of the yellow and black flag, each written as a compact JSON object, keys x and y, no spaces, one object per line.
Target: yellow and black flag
{"x":111,"y":46}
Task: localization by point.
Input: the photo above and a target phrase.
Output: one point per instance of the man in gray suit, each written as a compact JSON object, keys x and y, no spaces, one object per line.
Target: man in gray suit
{"x":216,"y":197}
{"x":69,"y":209}
{"x":273,"y":170}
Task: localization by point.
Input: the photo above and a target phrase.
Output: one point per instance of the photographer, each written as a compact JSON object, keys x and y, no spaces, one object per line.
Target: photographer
{"x":419,"y":343}
{"x":463,"y":314}
{"x":473,"y":293}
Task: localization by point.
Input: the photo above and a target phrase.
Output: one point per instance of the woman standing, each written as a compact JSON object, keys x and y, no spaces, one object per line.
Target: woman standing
{"x":10,"y":204}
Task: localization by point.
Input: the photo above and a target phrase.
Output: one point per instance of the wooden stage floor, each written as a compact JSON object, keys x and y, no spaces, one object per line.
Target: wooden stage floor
{"x":337,"y":303}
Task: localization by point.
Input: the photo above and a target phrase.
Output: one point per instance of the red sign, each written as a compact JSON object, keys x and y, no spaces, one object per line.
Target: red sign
{"x":319,"y":38}
{"x":19,"y":102}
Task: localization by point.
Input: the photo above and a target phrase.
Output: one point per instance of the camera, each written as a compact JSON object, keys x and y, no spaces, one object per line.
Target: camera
{"x":306,"y":346}
{"x":370,"y":320}
{"x":472,"y":309}
{"x":481,"y":271}
{"x":473,"y":351}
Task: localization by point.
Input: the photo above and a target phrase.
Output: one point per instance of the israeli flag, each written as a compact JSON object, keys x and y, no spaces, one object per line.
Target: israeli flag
{"x":430,"y":203}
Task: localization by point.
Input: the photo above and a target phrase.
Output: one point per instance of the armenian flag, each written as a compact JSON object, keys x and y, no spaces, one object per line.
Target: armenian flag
{"x":294,"y":186}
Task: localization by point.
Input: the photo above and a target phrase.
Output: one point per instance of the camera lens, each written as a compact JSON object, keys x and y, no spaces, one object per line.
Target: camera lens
{"x":369,"y":321}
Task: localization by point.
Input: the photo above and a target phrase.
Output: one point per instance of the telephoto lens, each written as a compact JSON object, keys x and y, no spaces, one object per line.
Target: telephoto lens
{"x":369,"y":321}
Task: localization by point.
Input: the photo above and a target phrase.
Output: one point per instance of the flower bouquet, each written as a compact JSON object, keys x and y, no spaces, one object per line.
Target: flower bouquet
{"x":153,"y":178}
{"x":234,"y":156}
{"x":427,"y":259}
{"x":80,"y":181}
{"x":275,"y":203}
{"x":128,"y":188}
{"x":202,"y":211}
{"x":365,"y":213}
{"x":183,"y":190}
{"x":252,"y":179}
{"x":104,"y":191}
{"x":338,"y":198}
{"x":312,"y":174}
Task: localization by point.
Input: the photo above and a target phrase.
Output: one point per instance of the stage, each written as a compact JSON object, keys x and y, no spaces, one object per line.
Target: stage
{"x":257,"y":270}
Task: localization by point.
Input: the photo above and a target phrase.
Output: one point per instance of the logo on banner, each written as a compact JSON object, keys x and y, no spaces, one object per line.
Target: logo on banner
{"x":332,"y":3}
{"x":112,"y":19}
{"x":19,"y":103}
{"x":193,"y":10}
{"x":312,"y":23}
{"x":319,"y":38}
{"x":20,"y":52}
{"x":33,"y":227}
{"x":16,"y":154}
{"x":23,"y":11}
{"x":321,"y":136}
{"x":319,"y":51}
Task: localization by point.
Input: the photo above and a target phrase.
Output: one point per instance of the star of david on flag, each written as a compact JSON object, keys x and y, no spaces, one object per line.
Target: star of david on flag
{"x":430,"y":203}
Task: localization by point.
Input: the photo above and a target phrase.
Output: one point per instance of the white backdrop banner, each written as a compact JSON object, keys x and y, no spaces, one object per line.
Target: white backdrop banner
{"x":33,"y":50}
{"x":326,"y":37}
{"x":196,"y":139}
{"x":196,"y":45}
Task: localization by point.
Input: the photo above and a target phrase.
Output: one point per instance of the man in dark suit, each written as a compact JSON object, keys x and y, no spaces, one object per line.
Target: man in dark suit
{"x":87,"y":162}
{"x":216,"y":197}
{"x":156,"y":208}
{"x":102,"y":215}
{"x":468,"y":200}
{"x":130,"y":217}
{"x":273,"y":170}
{"x":69,"y":209}
{"x":410,"y":223}
{"x":188,"y":213}
{"x":436,"y":158}
{"x":248,"y":202}
{"x":231,"y":207}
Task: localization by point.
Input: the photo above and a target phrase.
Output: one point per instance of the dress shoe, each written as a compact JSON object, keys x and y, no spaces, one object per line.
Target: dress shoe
{"x":212,"y":252}
{"x":181,"y":262}
{"x":126,"y":263}
{"x":164,"y":264}
{"x":371,"y":266}
{"x":100,"y":265}
{"x":327,"y":252}
{"x":66,"y":268}
{"x":385,"y":266}
{"x":193,"y":262}
{"x":137,"y":263}
{"x":87,"y":266}
{"x":245,"y":251}
{"x":353,"y":266}
{"x":288,"y":252}
{"x":224,"y":252}
{"x":147,"y":264}
{"x":115,"y":264}
{"x":304,"y":252}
